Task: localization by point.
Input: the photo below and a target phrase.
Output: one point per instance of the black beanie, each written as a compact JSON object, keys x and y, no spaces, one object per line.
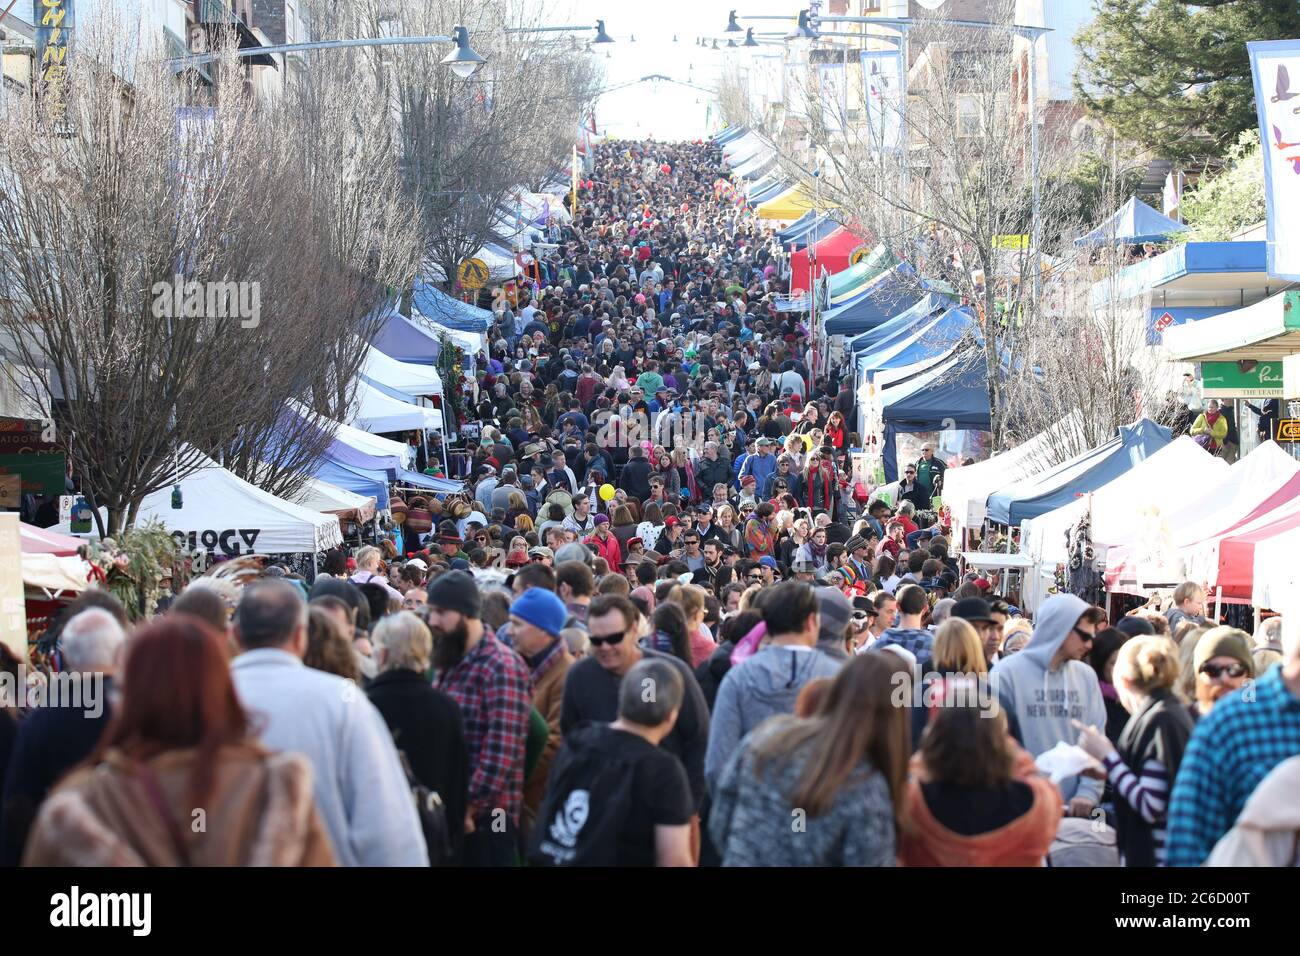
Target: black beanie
{"x":456,"y":591}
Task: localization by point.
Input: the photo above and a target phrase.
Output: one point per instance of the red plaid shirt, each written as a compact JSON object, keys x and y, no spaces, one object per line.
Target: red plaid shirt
{"x":492,"y":688}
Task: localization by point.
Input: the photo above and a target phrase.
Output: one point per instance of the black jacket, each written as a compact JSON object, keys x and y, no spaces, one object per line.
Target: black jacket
{"x":635,"y":480}
{"x":426,"y":725}
{"x":51,"y":741}
{"x":591,"y":693}
{"x":710,"y":473}
{"x":709,"y":674}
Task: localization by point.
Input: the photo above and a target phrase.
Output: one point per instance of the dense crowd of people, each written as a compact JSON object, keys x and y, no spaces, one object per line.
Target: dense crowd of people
{"x":665,"y":625}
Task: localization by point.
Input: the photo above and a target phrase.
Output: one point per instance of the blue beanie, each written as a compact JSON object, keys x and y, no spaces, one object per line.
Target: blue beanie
{"x":542,"y":609}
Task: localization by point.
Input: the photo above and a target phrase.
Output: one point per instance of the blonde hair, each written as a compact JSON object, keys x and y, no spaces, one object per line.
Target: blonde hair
{"x":1265,"y":658}
{"x":365,"y":555}
{"x":957,"y":648}
{"x":688,"y":597}
{"x":406,"y":641}
{"x":1014,"y":625}
{"x":1186,"y":685}
{"x":1148,"y":662}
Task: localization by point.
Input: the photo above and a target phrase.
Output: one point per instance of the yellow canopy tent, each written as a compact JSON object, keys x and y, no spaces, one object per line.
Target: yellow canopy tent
{"x":791,"y":204}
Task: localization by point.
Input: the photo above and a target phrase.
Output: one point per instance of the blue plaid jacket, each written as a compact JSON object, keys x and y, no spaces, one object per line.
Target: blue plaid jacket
{"x":1233,"y":748}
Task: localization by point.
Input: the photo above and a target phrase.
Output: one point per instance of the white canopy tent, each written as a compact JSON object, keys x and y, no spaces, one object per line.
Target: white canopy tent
{"x":417,"y":380}
{"x":374,"y":411}
{"x":49,"y":575}
{"x":362,"y":441}
{"x":966,"y":489}
{"x":1131,"y":506}
{"x":1155,"y":557}
{"x":317,"y":495}
{"x":223,"y":514}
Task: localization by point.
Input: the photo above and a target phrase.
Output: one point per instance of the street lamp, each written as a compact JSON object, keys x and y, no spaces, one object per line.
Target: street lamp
{"x":464,"y":62}
{"x":732,"y":25}
{"x":749,"y":38}
{"x":802,"y":30}
{"x":601,"y":35}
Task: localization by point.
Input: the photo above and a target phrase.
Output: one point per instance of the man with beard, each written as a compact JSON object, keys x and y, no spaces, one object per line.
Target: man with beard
{"x":491,"y":685}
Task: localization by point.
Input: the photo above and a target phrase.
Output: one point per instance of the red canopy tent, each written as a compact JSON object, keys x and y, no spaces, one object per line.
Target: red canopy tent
{"x":833,"y":254}
{"x":1236,"y":573}
{"x":42,"y":541}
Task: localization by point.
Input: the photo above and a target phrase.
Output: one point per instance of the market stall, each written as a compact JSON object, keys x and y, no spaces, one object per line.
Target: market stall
{"x":1127,"y":508}
{"x":1156,"y":560}
{"x":1057,"y":486}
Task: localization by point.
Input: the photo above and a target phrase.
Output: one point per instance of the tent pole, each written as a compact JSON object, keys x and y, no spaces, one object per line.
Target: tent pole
{"x":1218,"y":604}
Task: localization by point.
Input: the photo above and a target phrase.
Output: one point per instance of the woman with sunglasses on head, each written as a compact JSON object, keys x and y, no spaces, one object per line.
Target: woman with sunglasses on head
{"x":1142,"y":764}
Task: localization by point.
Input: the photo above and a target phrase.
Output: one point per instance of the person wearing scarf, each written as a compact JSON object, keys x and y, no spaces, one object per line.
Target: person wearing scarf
{"x":820,"y":484}
{"x":1211,"y":427}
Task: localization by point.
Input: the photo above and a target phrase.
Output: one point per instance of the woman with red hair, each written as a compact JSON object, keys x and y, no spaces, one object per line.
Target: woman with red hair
{"x":178,"y":778}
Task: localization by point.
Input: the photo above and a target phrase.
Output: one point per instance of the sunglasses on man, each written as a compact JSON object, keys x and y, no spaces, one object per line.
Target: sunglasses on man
{"x":1215,"y":671}
{"x":608,"y":639}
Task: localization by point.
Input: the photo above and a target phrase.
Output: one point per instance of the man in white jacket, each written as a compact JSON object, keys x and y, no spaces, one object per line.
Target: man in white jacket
{"x":360,"y":787}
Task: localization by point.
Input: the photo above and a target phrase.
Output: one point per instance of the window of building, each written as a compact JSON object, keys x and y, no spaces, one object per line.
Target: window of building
{"x":969,"y":121}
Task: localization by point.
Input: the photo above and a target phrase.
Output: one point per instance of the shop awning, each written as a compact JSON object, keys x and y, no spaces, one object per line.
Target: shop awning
{"x":1269,"y":330}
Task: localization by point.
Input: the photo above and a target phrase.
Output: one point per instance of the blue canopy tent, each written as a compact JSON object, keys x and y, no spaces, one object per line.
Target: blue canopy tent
{"x":890,"y":293}
{"x":404,"y":340}
{"x":798,"y":227}
{"x":1132,"y":224}
{"x":723,"y":137}
{"x":437,"y":306}
{"x":952,"y":394}
{"x":936,"y":337}
{"x":762,"y":169}
{"x":816,"y":233}
{"x":910,"y":318}
{"x":1059,"y":486}
{"x":764,"y":191}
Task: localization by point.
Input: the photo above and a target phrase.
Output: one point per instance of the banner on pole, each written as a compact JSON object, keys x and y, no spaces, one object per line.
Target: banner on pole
{"x":1275,"y":65}
{"x":881,"y":81}
{"x":833,"y":93}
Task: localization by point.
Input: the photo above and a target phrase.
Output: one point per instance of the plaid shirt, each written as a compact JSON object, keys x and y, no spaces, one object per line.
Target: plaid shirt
{"x":491,"y":686}
{"x":919,"y":642}
{"x":1233,"y":748}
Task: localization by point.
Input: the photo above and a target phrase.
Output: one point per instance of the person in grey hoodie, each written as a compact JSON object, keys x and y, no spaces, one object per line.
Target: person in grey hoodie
{"x":768,"y":683}
{"x":1047,"y":685}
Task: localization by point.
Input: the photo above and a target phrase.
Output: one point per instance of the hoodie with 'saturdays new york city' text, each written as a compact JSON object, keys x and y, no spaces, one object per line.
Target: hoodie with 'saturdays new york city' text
{"x":1043,"y":701}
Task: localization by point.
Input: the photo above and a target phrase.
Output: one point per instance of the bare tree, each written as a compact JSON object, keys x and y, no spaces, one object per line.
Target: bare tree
{"x":176,"y":268}
{"x":466,"y":146}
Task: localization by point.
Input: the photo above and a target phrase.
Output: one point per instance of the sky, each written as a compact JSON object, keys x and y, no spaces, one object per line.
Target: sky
{"x":666,"y":111}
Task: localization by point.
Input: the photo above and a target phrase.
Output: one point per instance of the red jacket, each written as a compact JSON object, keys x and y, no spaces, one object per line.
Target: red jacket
{"x":607,"y":549}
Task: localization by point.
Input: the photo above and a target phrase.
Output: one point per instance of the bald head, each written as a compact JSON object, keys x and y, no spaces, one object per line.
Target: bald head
{"x":270,"y":613}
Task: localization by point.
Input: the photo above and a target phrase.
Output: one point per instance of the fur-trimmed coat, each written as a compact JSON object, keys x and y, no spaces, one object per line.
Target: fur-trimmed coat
{"x":260,"y":813}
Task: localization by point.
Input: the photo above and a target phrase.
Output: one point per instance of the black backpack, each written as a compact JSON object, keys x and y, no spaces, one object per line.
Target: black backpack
{"x":587,"y":803}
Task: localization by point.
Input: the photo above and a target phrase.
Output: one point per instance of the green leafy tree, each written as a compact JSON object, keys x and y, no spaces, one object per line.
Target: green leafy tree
{"x":1174,"y":75}
{"x":1221,"y":206}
